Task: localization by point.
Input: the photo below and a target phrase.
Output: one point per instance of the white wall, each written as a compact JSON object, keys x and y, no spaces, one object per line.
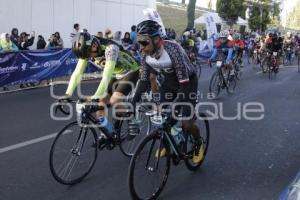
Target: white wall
{"x":48,"y":16}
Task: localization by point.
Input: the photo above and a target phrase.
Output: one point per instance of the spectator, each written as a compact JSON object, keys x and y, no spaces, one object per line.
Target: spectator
{"x":6,"y":45}
{"x":26,"y":42}
{"x":108,"y":34}
{"x":52,"y":42}
{"x":100,"y":34}
{"x":118,"y":37}
{"x":41,"y":43}
{"x":133,"y":33}
{"x":75,"y":31}
{"x":15,"y":36}
{"x":126,"y":41}
{"x":60,"y":42}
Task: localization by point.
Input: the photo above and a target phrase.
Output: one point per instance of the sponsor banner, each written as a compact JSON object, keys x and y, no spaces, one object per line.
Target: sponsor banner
{"x":37,"y":65}
{"x":211,"y":26}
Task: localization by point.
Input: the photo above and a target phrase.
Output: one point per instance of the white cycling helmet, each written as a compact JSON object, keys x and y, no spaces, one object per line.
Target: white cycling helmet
{"x":187,"y":33}
{"x":223,"y":34}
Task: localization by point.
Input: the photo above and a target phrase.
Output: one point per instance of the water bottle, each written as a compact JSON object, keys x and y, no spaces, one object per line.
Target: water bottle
{"x":176,"y":132}
{"x":105,"y":123}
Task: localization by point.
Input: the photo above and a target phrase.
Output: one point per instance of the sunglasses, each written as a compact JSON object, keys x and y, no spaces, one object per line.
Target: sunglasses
{"x":144,"y":42}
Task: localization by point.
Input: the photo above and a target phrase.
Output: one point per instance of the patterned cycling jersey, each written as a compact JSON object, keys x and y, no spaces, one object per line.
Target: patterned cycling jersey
{"x":172,"y":60}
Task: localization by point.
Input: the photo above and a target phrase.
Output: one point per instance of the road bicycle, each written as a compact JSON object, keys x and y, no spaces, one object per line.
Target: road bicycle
{"x":75,"y":148}
{"x":149,"y":170}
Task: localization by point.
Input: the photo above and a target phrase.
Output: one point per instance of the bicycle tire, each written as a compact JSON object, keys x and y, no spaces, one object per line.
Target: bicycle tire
{"x":264,"y":65}
{"x":133,"y":186}
{"x":127,"y":145}
{"x":215,"y":85}
{"x":238,"y":72}
{"x":70,"y":163}
{"x":230,"y":86}
{"x":205,"y":135}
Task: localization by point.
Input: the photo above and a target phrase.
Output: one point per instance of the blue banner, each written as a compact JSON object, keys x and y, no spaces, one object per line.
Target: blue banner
{"x":34,"y":66}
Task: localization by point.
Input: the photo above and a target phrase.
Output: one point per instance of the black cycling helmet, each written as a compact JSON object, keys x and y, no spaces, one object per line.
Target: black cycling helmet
{"x":150,"y":28}
{"x":82,"y":45}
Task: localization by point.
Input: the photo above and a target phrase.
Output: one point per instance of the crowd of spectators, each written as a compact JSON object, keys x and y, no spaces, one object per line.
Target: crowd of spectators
{"x":15,"y":42}
{"x":12,"y":42}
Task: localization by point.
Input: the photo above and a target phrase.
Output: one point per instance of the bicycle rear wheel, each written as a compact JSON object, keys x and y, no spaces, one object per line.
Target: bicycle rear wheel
{"x":203,"y":126}
{"x":231,"y":85}
{"x":129,"y":143}
{"x":238,"y":72}
{"x":215,"y":85}
{"x":148,"y":170}
{"x":73,"y":153}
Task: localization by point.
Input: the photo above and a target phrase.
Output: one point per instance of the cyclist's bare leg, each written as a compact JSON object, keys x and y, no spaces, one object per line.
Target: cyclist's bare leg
{"x":103,"y":102}
{"x":190,"y":127}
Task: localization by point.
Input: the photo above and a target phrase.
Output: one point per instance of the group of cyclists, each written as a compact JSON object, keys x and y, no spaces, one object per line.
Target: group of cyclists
{"x":164,"y":68}
{"x":286,"y":46}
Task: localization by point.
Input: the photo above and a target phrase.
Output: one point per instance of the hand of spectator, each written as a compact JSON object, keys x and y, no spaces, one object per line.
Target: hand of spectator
{"x":33,"y":34}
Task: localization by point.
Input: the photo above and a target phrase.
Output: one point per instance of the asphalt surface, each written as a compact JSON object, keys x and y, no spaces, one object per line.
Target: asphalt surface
{"x":246,"y":160}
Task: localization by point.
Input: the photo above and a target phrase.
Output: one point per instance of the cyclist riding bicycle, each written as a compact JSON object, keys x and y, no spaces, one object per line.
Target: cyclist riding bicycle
{"x":175,"y":76}
{"x":288,"y":42}
{"x":119,"y":68}
{"x":272,"y":44}
{"x":239,"y":47}
{"x":223,"y":45}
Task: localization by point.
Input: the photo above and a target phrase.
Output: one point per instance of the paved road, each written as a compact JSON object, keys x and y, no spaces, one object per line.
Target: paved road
{"x":246,"y":159}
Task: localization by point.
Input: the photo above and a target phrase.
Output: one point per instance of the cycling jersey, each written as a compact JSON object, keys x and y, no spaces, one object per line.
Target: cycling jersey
{"x":228,"y":47}
{"x":115,"y":62}
{"x":273,"y":44}
{"x":176,"y":71}
{"x":239,"y":43}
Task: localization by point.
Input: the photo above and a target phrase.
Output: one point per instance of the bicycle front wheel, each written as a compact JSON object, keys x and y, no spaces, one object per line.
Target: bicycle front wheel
{"x":149,"y":169}
{"x":73,"y":153}
{"x":215,"y":85}
{"x":264,"y":65}
{"x":203,"y":126}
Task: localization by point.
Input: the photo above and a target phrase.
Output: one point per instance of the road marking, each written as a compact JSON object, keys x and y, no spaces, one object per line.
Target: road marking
{"x":29,"y":142}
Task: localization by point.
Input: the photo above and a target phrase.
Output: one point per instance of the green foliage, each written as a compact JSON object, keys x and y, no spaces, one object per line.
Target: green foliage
{"x":256,"y":22}
{"x":270,"y":15}
{"x":230,"y":10}
{"x":293,"y":17}
{"x":191,"y":14}
{"x":176,"y":18}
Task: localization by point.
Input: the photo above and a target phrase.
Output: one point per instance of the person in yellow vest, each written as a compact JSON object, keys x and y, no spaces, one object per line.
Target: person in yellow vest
{"x":6,"y":45}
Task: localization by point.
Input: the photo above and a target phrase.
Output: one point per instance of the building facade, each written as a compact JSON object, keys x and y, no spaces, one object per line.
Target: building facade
{"x":48,"y":16}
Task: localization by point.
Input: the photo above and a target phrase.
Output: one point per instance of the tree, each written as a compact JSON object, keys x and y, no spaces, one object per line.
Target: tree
{"x":191,"y":14}
{"x":230,"y":10}
{"x":209,"y":5}
{"x":183,"y":2}
{"x":262,"y":14}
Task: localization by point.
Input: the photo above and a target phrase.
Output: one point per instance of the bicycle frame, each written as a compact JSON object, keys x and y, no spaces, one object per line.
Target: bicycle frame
{"x":86,"y":117}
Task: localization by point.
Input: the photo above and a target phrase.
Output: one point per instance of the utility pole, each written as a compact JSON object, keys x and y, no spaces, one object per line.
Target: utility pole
{"x":261,"y":15}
